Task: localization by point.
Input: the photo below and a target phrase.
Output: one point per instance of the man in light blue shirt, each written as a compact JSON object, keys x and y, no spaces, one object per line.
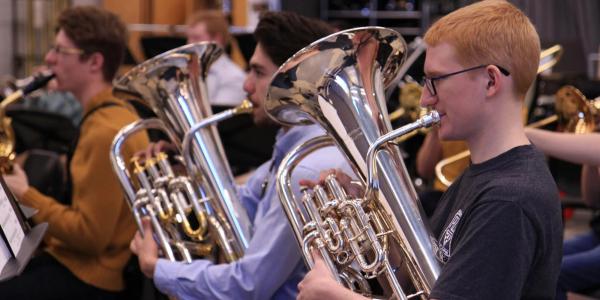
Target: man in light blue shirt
{"x":272,"y":265}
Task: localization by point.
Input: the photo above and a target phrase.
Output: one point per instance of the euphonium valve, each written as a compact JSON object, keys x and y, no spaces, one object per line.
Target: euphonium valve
{"x":348,"y":231}
{"x":338,"y":82}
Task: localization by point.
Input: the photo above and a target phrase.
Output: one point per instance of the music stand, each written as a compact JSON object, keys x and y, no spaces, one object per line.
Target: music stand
{"x":13,"y":216}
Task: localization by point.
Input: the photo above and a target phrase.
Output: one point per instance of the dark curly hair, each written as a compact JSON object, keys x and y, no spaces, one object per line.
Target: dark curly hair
{"x":282,"y":34}
{"x":93,"y":29}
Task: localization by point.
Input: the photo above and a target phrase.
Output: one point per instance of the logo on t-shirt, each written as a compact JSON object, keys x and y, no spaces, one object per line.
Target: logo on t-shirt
{"x":444,"y":248}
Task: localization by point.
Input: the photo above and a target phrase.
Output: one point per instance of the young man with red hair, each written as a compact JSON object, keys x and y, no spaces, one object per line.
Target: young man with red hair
{"x":498,"y":228}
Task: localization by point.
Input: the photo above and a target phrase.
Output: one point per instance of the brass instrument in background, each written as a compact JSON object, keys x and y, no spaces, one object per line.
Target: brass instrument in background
{"x":574,"y":114}
{"x":338,"y":82}
{"x":410,"y":102}
{"x":549,"y":57}
{"x":7,"y":135}
{"x":574,"y":111}
{"x":173,"y":85}
{"x":410,"y":92}
{"x":410,"y":108}
{"x":448,"y":169}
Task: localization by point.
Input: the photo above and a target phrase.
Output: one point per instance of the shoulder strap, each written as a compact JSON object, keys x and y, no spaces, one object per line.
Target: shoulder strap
{"x":93,"y":110}
{"x":69,"y":184}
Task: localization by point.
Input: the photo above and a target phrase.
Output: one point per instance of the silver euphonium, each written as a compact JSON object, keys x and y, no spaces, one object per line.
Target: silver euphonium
{"x":338,"y":82}
{"x":173,"y":86}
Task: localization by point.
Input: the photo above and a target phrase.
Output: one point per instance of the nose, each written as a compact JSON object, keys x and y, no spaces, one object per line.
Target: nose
{"x":50,"y":57}
{"x":249,"y":85}
{"x":426,"y":98}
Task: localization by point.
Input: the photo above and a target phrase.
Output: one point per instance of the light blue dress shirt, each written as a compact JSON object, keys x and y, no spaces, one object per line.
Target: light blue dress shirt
{"x":272,"y":266}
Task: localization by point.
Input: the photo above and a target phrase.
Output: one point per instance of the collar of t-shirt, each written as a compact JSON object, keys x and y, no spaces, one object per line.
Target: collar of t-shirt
{"x":500,"y":160}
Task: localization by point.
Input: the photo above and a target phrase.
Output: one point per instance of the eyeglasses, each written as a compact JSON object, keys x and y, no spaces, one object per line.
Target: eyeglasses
{"x":430,"y":82}
{"x":66,"y":50}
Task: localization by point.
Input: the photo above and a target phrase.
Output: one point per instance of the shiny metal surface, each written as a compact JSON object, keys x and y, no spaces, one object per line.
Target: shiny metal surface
{"x":338,"y":82}
{"x":142,"y":203}
{"x":7,"y":134}
{"x":173,"y":86}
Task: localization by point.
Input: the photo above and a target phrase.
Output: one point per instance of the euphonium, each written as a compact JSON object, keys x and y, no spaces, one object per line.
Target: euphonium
{"x":7,"y":135}
{"x":173,"y":85}
{"x":338,"y":82}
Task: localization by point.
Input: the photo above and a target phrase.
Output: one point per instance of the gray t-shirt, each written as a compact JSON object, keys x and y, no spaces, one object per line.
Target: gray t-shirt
{"x":499,"y":230}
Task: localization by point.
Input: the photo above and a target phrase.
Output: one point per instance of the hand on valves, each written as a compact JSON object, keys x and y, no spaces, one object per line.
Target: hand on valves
{"x":319,"y":283}
{"x":354,"y":190}
{"x":154,"y":148}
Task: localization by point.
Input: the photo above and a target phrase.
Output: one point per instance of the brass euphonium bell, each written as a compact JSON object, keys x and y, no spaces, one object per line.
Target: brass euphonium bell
{"x":197,"y":209}
{"x":575,"y":112}
{"x":338,"y":82}
{"x":7,"y":135}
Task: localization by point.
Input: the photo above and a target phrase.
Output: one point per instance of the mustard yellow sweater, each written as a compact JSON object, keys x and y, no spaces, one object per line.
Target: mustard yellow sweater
{"x":91,"y":236}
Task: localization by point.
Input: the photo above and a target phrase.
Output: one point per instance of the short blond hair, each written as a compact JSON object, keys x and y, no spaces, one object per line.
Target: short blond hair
{"x":491,"y":32}
{"x":215,"y":21}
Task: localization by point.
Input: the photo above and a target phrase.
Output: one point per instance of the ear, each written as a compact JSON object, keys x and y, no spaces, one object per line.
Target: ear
{"x":96,"y":61}
{"x":494,"y":82}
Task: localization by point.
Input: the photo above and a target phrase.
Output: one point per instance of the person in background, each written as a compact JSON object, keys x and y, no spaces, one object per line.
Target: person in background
{"x":225,"y":78}
{"x":88,"y":237}
{"x":580,"y":268}
{"x":272,"y":264}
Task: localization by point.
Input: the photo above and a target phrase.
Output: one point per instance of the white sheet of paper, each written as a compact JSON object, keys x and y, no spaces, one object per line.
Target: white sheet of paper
{"x":10,"y":223}
{"x":4,"y":255}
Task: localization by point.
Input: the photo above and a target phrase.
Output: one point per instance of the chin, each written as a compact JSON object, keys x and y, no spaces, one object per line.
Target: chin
{"x":446,"y":135}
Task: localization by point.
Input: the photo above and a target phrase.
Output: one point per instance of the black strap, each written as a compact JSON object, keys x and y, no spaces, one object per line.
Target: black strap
{"x":69,"y":184}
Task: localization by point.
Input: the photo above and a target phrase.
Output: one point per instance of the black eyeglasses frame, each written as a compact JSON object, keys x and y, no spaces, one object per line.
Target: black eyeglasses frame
{"x":429,"y":82}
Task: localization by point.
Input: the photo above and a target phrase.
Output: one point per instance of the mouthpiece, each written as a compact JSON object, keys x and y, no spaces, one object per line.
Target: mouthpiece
{"x":432,"y":118}
{"x":38,"y":82}
{"x":244,"y":108}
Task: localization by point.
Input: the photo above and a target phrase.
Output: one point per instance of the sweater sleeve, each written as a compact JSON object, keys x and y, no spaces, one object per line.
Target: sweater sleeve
{"x":89,"y":223}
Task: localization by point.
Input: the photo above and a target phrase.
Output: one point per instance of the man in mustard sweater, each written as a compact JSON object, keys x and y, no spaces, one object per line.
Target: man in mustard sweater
{"x":87,"y":239}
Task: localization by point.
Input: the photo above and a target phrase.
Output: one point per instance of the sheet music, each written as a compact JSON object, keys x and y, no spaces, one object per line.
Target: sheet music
{"x":4,"y":255}
{"x":10,"y":223}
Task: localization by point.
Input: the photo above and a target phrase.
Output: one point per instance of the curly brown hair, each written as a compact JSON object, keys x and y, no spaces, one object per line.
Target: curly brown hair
{"x":96,"y":30}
